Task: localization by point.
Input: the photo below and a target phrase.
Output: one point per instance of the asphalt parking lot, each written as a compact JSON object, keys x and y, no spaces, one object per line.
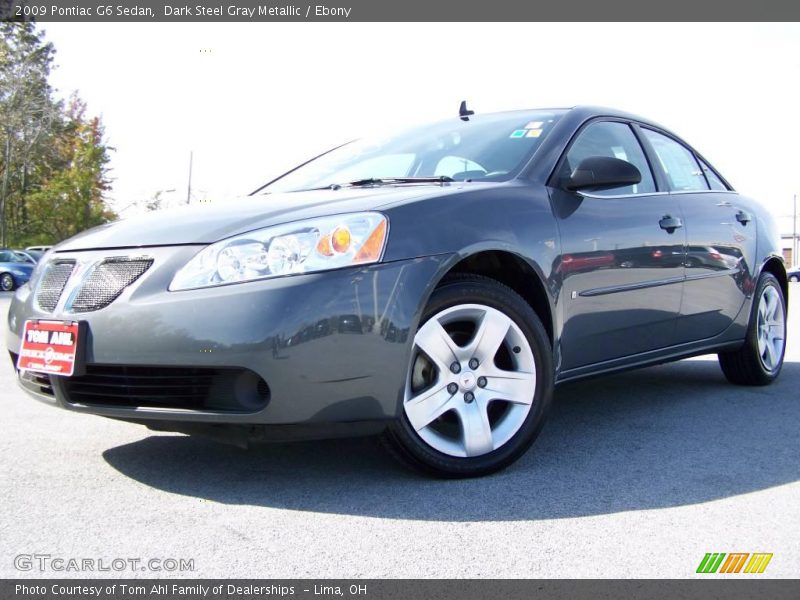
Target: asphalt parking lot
{"x":635,"y":475}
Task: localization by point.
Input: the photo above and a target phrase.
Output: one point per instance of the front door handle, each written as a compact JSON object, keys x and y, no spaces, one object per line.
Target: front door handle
{"x":744,"y":217}
{"x":670,"y":223}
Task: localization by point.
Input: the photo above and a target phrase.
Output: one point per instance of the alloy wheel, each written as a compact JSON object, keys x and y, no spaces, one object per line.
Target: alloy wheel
{"x":771,"y":328}
{"x":472,"y":380}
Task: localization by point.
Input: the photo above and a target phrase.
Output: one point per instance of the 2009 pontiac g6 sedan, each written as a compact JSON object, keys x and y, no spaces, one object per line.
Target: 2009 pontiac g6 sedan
{"x":431,"y":286}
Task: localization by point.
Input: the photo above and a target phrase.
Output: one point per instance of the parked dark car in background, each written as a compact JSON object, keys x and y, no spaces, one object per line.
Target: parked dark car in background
{"x":430,"y":287}
{"x":794,"y":274}
{"x":15,"y":269}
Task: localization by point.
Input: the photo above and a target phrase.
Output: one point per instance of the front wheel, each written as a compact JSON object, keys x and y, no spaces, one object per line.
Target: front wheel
{"x":759,"y":360}
{"x":479,"y":382}
{"x":6,"y":282}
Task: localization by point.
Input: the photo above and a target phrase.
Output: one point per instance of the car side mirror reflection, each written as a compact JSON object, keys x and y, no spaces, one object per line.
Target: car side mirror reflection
{"x":602,"y":172}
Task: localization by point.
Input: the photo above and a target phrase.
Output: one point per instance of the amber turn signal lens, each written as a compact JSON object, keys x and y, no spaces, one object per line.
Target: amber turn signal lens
{"x":324,"y":245}
{"x":340,"y":240}
{"x":373,"y":246}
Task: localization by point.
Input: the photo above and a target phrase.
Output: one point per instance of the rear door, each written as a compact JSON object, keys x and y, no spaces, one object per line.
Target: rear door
{"x":621,"y":265}
{"x":721,"y":240}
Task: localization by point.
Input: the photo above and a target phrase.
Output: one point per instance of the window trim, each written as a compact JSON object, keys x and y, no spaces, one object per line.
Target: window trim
{"x":552,"y":179}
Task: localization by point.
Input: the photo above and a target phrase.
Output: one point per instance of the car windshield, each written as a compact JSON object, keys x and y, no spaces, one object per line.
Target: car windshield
{"x":484,"y":148}
{"x":22,"y":257}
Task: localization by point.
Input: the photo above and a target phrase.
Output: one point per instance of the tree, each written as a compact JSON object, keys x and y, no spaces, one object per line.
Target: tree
{"x":71,"y":197}
{"x":26,"y":109}
{"x":54,"y":169}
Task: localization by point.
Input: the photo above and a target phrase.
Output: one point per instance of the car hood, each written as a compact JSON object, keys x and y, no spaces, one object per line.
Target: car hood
{"x":206,"y":223}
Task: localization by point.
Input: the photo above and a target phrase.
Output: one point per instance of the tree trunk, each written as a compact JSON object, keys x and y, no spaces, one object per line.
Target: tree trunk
{"x":4,"y":190}
{"x":23,"y":201}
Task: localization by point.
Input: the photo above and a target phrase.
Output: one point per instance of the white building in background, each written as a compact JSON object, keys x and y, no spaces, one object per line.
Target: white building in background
{"x":789,"y":249}
{"x":789,"y":226}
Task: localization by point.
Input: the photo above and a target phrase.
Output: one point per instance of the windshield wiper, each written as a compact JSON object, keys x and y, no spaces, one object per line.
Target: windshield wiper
{"x":391,"y":180}
{"x":380,"y":181}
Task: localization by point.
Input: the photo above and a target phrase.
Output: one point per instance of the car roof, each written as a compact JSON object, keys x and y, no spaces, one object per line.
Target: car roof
{"x":585,"y":112}
{"x":582,"y":113}
{"x":605,"y":111}
{"x":589,"y":112}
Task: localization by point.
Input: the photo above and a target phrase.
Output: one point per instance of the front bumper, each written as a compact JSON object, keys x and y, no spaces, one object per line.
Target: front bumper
{"x":332,"y":347}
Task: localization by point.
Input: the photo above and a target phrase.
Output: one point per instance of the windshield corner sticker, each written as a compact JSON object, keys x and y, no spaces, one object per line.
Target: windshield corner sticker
{"x":534,"y":125}
{"x":534,"y":132}
{"x":518,"y":133}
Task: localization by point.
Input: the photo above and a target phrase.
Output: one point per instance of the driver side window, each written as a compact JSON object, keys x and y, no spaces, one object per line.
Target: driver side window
{"x":615,"y":140}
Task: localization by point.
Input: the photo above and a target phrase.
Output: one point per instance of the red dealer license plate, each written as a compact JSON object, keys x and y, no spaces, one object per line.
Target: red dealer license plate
{"x":50,"y":347}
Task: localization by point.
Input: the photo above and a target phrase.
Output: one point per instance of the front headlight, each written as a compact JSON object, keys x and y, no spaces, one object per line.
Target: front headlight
{"x":300,"y":247}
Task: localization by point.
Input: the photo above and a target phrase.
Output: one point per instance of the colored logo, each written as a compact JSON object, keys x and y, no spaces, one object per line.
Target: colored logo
{"x":519,"y":133}
{"x":734,"y":562}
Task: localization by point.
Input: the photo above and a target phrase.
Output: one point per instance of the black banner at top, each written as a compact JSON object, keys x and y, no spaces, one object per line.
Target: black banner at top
{"x":394,"y":10}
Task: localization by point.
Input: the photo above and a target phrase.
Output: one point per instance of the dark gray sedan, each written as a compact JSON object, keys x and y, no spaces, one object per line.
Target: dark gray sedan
{"x":431,"y":287}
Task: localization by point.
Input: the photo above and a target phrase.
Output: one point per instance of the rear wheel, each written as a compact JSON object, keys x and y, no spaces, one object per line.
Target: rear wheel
{"x":759,"y":360}
{"x":6,"y":282}
{"x":479,"y":383}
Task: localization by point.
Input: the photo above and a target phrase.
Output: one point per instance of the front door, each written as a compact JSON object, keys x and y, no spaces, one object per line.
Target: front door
{"x":621,"y":265}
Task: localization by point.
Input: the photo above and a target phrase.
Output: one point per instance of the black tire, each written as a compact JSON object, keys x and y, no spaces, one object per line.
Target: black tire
{"x":404,"y":442}
{"x":794,"y":277}
{"x":745,"y":365}
{"x":7,"y":283}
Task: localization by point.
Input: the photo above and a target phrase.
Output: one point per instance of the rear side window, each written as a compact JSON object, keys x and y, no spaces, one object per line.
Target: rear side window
{"x":616,"y":140}
{"x":713,"y":180}
{"x":681,"y":167}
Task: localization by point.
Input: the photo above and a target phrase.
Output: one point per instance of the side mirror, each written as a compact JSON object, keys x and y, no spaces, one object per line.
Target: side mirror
{"x":602,"y":172}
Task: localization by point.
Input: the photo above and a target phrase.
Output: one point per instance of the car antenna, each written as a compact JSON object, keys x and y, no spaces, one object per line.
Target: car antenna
{"x":463,"y":113}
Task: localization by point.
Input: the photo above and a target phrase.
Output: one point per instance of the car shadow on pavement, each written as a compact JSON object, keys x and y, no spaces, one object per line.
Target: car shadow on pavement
{"x":666,"y":436}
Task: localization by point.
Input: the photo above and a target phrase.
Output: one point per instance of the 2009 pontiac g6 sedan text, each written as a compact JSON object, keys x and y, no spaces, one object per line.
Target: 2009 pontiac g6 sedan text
{"x":432,"y":287}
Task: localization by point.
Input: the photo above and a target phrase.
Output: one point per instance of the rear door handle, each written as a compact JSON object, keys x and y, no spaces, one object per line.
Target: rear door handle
{"x":670,"y":223}
{"x":744,"y":217}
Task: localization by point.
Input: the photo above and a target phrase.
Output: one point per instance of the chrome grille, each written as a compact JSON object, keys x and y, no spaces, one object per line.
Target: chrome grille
{"x":53,"y":282}
{"x":107,"y":281}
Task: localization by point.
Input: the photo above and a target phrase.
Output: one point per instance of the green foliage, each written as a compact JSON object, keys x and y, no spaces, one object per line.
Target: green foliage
{"x":53,"y":158}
